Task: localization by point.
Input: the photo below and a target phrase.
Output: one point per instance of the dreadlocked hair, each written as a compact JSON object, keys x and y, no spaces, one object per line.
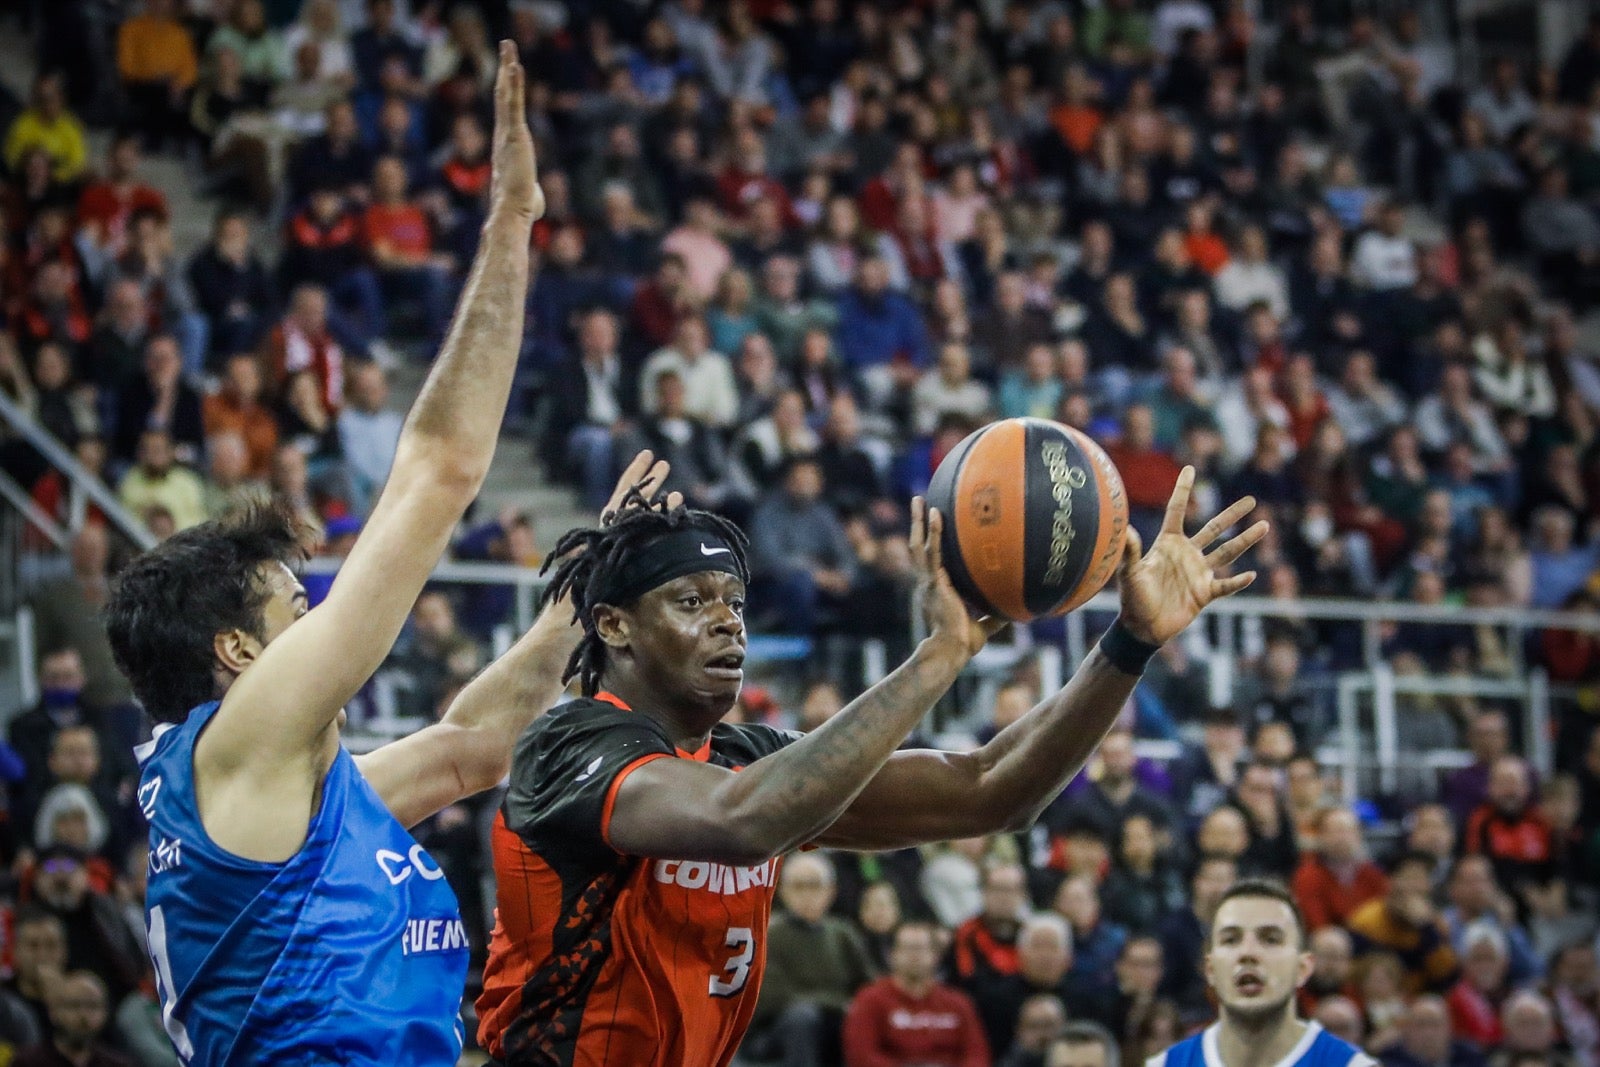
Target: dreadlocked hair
{"x":588,"y":558}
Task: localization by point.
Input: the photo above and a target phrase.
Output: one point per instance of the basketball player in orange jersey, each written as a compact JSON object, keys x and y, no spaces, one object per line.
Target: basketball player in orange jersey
{"x":637,"y":869}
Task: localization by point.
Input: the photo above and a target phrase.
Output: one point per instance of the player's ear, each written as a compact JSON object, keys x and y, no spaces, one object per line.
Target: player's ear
{"x":611,"y":625}
{"x":1303,"y":975}
{"x":235,"y":650}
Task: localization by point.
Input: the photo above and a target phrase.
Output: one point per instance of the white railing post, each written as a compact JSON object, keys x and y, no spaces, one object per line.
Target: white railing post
{"x":1349,"y":734}
{"x":1386,"y":727}
{"x":1541,"y":746}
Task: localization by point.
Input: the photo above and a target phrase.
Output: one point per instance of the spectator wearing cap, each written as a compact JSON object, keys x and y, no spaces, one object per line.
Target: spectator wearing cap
{"x":909,"y":1017}
{"x":1404,"y":922}
{"x":1337,"y":878}
{"x":816,"y":964}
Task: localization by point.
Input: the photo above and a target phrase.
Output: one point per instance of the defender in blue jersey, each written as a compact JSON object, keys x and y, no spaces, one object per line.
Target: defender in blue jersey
{"x":292,"y":918}
{"x":1256,"y":960}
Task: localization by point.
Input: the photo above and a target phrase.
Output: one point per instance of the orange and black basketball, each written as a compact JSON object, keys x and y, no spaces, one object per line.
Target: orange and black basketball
{"x":1034,"y":518}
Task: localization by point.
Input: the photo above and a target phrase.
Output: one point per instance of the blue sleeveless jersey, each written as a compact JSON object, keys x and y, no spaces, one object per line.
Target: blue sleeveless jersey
{"x":1317,"y":1048}
{"x":350,"y":952}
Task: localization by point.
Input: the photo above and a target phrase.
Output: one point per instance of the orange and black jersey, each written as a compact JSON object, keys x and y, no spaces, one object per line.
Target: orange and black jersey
{"x":600,"y":958}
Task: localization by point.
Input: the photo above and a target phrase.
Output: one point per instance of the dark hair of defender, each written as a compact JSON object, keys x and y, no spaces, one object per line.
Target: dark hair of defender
{"x":168,"y":605}
{"x":1271,"y":890}
{"x":590,"y":558}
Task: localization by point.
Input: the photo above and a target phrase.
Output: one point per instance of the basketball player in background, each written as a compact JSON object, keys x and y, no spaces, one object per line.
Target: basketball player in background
{"x":1256,"y":961}
{"x":291,"y":916}
{"x":636,"y":869}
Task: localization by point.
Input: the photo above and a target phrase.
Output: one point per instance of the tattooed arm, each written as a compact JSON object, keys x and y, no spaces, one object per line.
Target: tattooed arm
{"x":681,"y":809}
{"x":924,"y":796}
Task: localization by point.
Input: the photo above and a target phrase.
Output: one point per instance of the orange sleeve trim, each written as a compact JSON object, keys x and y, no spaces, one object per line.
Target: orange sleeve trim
{"x":611,"y":794}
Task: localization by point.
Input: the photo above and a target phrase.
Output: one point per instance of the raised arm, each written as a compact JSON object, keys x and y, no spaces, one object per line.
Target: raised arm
{"x":925,"y":796}
{"x":681,"y":809}
{"x":284,"y":705}
{"x":469,"y":750}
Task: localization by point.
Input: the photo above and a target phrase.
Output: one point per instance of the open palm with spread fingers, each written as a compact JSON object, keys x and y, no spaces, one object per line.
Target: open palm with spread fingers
{"x":1163,"y":590}
{"x":946,"y":613}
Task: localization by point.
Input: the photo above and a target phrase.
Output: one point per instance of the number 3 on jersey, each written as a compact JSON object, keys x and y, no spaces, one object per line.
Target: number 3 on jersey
{"x":738,"y":966}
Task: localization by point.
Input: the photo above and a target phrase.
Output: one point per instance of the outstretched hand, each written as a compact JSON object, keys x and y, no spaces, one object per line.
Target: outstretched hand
{"x":515,"y":182}
{"x":1164,"y":590}
{"x":648,"y":475}
{"x":946,"y":613}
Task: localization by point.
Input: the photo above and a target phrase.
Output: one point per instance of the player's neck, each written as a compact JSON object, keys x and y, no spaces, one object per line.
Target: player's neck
{"x":687,"y":727}
{"x":1245,"y":1042}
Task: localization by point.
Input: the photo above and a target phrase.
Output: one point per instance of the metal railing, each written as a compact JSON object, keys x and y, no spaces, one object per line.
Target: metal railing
{"x":1368,"y":698}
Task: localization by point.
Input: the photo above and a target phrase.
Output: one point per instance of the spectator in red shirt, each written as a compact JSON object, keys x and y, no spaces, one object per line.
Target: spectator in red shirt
{"x":909,"y":1019}
{"x":106,"y":205}
{"x":400,"y":241}
{"x":1509,"y":829}
{"x":1148,"y":473}
{"x":1304,"y":399}
{"x":1337,"y":878}
{"x":746,"y":180}
{"x":323,"y":244}
{"x":463,"y":181}
{"x":661,"y":303}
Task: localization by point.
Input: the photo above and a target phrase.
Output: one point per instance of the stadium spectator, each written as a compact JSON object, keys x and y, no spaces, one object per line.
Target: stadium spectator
{"x":911,"y":1018}
{"x":231,"y":288}
{"x":80,"y":1010}
{"x":1476,"y":899}
{"x":1044,"y":956}
{"x":1337,"y":878}
{"x":48,"y":124}
{"x":1427,"y":1040}
{"x":158,"y":481}
{"x":1183,"y":935}
{"x":818,"y":963}
{"x":97,"y":939}
{"x":369,"y":432}
{"x":711,"y":394}
{"x":800,"y":558}
{"x":1404,"y":923}
{"x":1509,"y":829}
{"x":238,"y":409}
{"x":400,"y":240}
{"x":158,"y":65}
{"x":1476,"y":999}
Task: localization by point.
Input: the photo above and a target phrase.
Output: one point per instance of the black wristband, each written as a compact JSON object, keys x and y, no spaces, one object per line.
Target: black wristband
{"x":1126,"y":652}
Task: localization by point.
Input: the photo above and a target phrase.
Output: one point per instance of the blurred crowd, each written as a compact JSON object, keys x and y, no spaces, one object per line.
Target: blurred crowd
{"x":801,"y":249}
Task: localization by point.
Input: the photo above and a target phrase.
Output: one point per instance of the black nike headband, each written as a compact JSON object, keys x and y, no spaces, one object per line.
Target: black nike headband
{"x":671,"y":556}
